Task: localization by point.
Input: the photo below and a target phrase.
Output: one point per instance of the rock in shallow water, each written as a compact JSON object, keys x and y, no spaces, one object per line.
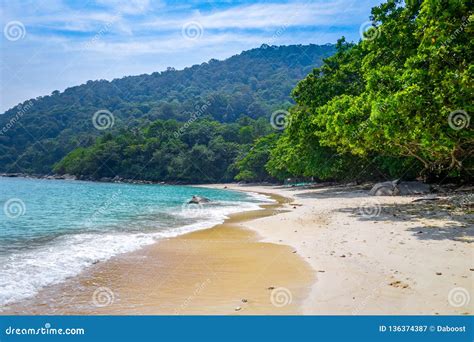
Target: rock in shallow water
{"x":198,"y":200}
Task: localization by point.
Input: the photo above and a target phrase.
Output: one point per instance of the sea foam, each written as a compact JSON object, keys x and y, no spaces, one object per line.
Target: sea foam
{"x":26,"y":272}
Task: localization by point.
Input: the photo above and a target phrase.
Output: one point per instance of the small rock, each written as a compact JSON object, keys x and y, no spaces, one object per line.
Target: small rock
{"x":271,"y":288}
{"x":322,"y":271}
{"x":420,"y":232}
{"x":343,"y":256}
{"x":294,"y":252}
{"x":439,"y":273}
{"x":294,"y":207}
{"x":399,"y":284}
{"x":198,"y":200}
{"x":244,"y":300}
{"x":238,"y":308}
{"x":471,"y":269}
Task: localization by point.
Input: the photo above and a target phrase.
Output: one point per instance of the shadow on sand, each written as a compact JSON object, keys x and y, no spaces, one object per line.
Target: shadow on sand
{"x":457,"y":225}
{"x":335,"y":192}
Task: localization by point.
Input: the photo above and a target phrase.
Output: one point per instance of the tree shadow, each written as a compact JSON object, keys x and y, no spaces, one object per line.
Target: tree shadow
{"x":335,"y":191}
{"x":439,"y":220}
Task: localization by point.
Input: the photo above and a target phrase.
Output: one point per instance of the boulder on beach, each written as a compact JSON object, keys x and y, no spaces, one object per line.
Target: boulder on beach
{"x":383,"y":189}
{"x":399,"y":188}
{"x":198,"y":200}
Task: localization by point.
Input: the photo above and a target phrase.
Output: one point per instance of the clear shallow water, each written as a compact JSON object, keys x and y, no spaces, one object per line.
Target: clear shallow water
{"x":52,"y":230}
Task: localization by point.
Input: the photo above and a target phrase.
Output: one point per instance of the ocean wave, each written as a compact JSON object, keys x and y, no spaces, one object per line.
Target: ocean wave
{"x":24,"y":273}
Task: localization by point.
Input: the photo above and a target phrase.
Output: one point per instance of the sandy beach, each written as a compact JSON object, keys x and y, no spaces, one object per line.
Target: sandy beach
{"x":375,"y":255}
{"x":331,"y":250}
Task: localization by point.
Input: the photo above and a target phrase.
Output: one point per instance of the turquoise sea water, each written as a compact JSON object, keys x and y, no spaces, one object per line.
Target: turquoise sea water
{"x":52,"y":229}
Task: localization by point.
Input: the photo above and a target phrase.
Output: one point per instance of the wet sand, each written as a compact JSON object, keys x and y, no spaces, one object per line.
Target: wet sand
{"x":222,"y":270}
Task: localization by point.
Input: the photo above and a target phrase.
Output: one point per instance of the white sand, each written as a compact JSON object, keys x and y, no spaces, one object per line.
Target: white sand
{"x":369,"y":254}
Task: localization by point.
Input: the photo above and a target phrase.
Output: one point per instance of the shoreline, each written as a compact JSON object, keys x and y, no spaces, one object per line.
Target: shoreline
{"x":115,"y":180}
{"x":338,"y":252}
{"x":235,"y":263}
{"x":375,"y":255}
{"x":97,"y":228}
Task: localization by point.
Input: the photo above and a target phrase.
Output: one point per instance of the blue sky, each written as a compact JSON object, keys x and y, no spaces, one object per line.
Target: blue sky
{"x":54,"y":44}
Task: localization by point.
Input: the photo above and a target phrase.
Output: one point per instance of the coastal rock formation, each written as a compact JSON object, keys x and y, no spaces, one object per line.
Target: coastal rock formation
{"x":198,"y":200}
{"x":399,"y":188}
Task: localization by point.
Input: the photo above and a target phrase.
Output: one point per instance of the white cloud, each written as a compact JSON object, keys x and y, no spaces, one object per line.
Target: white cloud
{"x":168,"y":44}
{"x":128,"y":7}
{"x":267,"y":16}
{"x":70,"y":42}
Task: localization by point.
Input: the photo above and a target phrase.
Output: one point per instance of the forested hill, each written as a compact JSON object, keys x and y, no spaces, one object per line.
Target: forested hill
{"x":39,"y":132}
{"x":395,"y":105}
